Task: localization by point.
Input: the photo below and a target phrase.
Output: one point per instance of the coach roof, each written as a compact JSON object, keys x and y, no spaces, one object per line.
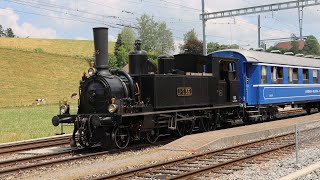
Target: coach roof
{"x":271,"y":58}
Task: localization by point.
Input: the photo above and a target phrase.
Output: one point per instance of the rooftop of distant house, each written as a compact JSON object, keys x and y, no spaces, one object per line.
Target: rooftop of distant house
{"x":287,"y":45}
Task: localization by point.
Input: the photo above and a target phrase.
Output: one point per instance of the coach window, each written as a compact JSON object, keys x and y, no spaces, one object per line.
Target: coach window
{"x":264,"y":73}
{"x":232,"y":71}
{"x":295,"y":75}
{"x":290,"y":75}
{"x":315,"y":76}
{"x":279,"y":75}
{"x":274,"y":75}
{"x":305,"y":76}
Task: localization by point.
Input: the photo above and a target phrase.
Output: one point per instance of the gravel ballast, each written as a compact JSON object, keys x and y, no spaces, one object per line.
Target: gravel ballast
{"x":275,"y":169}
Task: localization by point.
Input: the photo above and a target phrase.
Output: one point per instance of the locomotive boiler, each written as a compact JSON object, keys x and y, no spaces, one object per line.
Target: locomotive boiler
{"x":188,"y":92}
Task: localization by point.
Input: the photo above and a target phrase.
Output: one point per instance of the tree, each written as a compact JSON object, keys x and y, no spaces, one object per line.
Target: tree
{"x":295,"y":47}
{"x":166,"y":43}
{"x":213,"y":46}
{"x":128,"y":37}
{"x":124,"y":44}
{"x":112,"y":61}
{"x":311,"y":46}
{"x":191,"y":43}
{"x":9,"y":33}
{"x":2,"y":33}
{"x":189,"y":36}
{"x":155,"y":36}
{"x":276,"y":48}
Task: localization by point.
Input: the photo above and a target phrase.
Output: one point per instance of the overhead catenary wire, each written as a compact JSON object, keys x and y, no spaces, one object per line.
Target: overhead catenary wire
{"x":57,"y":17}
{"x":82,"y":15}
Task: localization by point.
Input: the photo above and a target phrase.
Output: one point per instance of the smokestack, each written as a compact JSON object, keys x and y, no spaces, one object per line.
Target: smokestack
{"x":100,"y":35}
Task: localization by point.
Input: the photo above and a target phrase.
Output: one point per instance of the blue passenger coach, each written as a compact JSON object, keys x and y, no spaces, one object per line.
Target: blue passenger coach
{"x":268,"y":79}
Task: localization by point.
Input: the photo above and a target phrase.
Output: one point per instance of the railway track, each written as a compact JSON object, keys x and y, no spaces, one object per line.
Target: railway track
{"x":33,"y":162}
{"x":211,"y":164}
{"x":17,"y":165}
{"x":34,"y":144}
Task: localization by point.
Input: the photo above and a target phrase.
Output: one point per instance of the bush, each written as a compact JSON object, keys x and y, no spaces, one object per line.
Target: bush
{"x":38,"y":50}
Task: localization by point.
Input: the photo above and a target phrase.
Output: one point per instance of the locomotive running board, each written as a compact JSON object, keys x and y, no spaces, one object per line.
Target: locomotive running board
{"x":180,"y":110}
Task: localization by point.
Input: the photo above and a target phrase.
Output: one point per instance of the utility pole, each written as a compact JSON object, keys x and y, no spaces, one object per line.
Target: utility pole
{"x":204,"y":31}
{"x":259,"y":31}
{"x":300,"y":14}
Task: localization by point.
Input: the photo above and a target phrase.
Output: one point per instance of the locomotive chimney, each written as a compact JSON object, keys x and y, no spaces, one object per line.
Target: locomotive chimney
{"x":100,"y":35}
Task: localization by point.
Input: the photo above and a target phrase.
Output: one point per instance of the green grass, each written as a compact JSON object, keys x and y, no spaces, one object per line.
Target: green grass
{"x":26,"y":76}
{"x":82,"y":48}
{"x":21,"y":123}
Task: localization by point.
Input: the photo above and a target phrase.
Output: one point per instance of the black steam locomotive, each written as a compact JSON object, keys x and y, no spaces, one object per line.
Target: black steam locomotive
{"x":188,"y":92}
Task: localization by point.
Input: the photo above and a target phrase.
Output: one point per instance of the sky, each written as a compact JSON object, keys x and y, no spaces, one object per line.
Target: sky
{"x":74,"y":19}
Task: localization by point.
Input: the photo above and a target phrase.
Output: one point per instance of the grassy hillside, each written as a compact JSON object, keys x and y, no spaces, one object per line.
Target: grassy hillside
{"x":38,"y":68}
{"x":26,"y":76}
{"x":53,"y":46}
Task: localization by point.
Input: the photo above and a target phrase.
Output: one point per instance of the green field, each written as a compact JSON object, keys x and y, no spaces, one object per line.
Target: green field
{"x":21,"y":123}
{"x":82,"y":48}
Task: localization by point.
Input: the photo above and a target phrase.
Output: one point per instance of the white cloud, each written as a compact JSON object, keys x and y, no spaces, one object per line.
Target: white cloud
{"x":9,"y":19}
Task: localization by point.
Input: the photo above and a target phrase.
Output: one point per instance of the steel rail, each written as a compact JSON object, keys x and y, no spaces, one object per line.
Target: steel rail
{"x":133,"y":172}
{"x":210,"y":168}
{"x":63,"y":160}
{"x":6,"y":149}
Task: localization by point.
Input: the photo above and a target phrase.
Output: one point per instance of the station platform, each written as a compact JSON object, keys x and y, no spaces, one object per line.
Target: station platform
{"x":238,"y":135}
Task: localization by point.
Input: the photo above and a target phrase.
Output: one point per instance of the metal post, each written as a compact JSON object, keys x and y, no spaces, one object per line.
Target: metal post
{"x":300,"y":14}
{"x":62,"y":129}
{"x":204,"y":31}
{"x":259,"y":28}
{"x":296,"y":142}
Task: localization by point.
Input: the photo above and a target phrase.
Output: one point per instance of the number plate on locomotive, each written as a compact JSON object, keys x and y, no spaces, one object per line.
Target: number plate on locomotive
{"x":184,"y":91}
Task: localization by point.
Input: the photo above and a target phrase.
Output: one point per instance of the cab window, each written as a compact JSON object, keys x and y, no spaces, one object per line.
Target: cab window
{"x":315,"y":76}
{"x":305,"y":75}
{"x":274,"y":75}
{"x":228,"y":70}
{"x":290,"y":75}
{"x":264,"y":73}
{"x":279,"y":75}
{"x":295,"y":75}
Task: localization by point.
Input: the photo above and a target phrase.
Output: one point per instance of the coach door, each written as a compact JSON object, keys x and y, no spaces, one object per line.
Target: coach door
{"x":229,"y":75}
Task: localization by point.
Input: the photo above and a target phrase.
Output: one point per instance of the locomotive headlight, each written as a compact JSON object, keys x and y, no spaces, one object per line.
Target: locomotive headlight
{"x":92,"y":71}
{"x":63,"y":109}
{"x":112,"y":108}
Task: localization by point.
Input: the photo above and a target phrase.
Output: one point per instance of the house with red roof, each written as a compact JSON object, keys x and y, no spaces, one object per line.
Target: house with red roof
{"x":287,"y":45}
